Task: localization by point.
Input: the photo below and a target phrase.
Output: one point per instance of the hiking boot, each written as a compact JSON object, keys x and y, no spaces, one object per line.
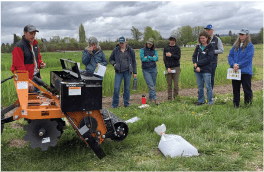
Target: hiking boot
{"x":199,"y":104}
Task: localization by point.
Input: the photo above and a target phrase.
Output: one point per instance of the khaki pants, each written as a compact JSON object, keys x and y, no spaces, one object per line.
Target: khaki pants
{"x":175,"y":78}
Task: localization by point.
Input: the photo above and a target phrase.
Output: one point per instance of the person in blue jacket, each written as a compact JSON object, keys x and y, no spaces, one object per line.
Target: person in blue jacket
{"x":93,"y":56}
{"x":202,"y":58}
{"x":149,"y":56}
{"x":124,"y":61}
{"x":240,"y":57}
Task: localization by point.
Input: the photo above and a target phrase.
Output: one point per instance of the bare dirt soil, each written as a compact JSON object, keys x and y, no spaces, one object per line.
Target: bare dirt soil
{"x":163,"y":96}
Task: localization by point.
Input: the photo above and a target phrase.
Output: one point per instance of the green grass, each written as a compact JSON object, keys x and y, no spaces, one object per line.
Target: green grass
{"x":227,"y":139}
{"x":187,"y":77}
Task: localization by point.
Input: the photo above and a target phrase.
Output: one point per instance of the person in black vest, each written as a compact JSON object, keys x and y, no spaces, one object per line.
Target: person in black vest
{"x":171,"y":58}
{"x":149,"y":56}
{"x":26,"y":56}
{"x":219,"y":49}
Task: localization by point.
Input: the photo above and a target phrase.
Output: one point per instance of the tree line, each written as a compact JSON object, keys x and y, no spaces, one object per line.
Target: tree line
{"x":186,"y":35}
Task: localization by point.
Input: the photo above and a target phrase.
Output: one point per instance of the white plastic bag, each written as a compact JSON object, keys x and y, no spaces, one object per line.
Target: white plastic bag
{"x":174,"y":145}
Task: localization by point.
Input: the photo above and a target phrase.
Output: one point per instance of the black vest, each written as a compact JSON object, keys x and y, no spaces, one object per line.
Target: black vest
{"x":151,"y":64}
{"x":28,"y":55}
{"x":214,"y":42}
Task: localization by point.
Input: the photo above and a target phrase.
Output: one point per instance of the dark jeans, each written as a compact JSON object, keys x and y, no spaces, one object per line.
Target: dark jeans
{"x":118,"y":80}
{"x":213,"y":74}
{"x":246,"y":84}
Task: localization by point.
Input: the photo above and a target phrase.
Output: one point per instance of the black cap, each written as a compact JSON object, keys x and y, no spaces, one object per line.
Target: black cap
{"x":30,"y":28}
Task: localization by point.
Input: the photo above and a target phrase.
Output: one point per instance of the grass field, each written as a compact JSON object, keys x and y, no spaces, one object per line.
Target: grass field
{"x":227,"y":139}
{"x":187,"y":77}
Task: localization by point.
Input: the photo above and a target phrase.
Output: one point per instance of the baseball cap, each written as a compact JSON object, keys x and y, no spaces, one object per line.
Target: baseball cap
{"x":92,"y":40}
{"x":150,"y":41}
{"x":209,"y":27}
{"x":30,"y":28}
{"x":173,"y":36}
{"x":244,"y":31}
{"x":122,"y":39}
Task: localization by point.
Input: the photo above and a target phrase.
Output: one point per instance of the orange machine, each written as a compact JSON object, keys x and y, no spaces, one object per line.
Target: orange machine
{"x":71,"y":95}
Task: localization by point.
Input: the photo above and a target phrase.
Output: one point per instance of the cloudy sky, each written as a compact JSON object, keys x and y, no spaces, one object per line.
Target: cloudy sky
{"x":111,"y":19}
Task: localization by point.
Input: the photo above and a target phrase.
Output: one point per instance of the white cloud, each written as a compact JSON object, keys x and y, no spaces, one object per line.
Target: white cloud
{"x":112,"y":19}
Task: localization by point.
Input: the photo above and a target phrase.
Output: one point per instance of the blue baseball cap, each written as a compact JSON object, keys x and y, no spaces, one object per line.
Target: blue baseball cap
{"x":122,"y":39}
{"x":209,"y":27}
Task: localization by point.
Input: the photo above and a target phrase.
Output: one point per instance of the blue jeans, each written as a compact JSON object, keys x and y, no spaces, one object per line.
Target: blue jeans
{"x":118,"y":81}
{"x":213,"y":74}
{"x":202,"y":78}
{"x":150,"y":76}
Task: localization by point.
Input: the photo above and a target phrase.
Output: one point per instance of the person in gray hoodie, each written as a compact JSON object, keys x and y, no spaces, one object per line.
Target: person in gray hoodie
{"x":124,"y":61}
{"x":93,"y":56}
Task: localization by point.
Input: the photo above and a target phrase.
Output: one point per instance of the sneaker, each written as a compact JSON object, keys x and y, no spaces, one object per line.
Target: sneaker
{"x":199,"y":104}
{"x":126,"y":105}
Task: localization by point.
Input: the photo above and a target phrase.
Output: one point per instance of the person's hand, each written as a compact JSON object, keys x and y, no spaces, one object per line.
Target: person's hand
{"x":235,"y":67}
{"x":198,"y":69}
{"x":195,"y":65}
{"x":42,"y":65}
{"x":30,"y":87}
{"x":169,"y":70}
{"x":90,"y":49}
{"x":98,"y":64}
{"x":135,"y":75}
{"x":168,"y":54}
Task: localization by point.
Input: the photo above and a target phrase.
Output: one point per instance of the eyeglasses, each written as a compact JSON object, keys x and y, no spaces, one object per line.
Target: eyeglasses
{"x":241,"y":34}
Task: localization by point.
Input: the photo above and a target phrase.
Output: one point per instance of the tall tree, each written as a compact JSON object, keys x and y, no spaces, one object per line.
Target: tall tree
{"x":186,"y":34}
{"x":136,"y":34}
{"x":15,"y":39}
{"x":82,"y":37}
{"x":261,"y":36}
{"x":230,"y":33}
{"x":156,"y":35}
{"x":148,"y":33}
{"x":197,"y":30}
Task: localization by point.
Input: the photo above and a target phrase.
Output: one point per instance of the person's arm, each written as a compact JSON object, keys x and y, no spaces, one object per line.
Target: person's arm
{"x":112,"y":58}
{"x":231,"y":57}
{"x":177,"y":56}
{"x":86,"y":58}
{"x":248,"y":58}
{"x":156,"y":56}
{"x":220,"y":47}
{"x":18,"y":59}
{"x":134,"y":62}
{"x":164,"y":58}
{"x":194,"y":56}
{"x":104,"y":61}
{"x":142,"y":56}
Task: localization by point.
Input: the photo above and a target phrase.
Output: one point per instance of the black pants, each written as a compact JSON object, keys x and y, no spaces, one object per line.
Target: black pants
{"x":246,"y":84}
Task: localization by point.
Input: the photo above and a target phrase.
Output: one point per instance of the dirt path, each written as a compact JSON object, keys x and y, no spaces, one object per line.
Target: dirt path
{"x":162,"y":95}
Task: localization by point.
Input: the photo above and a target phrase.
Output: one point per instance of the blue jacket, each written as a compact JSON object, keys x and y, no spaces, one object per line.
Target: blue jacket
{"x":148,"y":58}
{"x":242,"y":58}
{"x":90,"y":60}
{"x":204,"y":58}
{"x":115,"y":59}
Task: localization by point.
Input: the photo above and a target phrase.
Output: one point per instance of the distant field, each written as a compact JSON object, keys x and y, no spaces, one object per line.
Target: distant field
{"x":187,"y":78}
